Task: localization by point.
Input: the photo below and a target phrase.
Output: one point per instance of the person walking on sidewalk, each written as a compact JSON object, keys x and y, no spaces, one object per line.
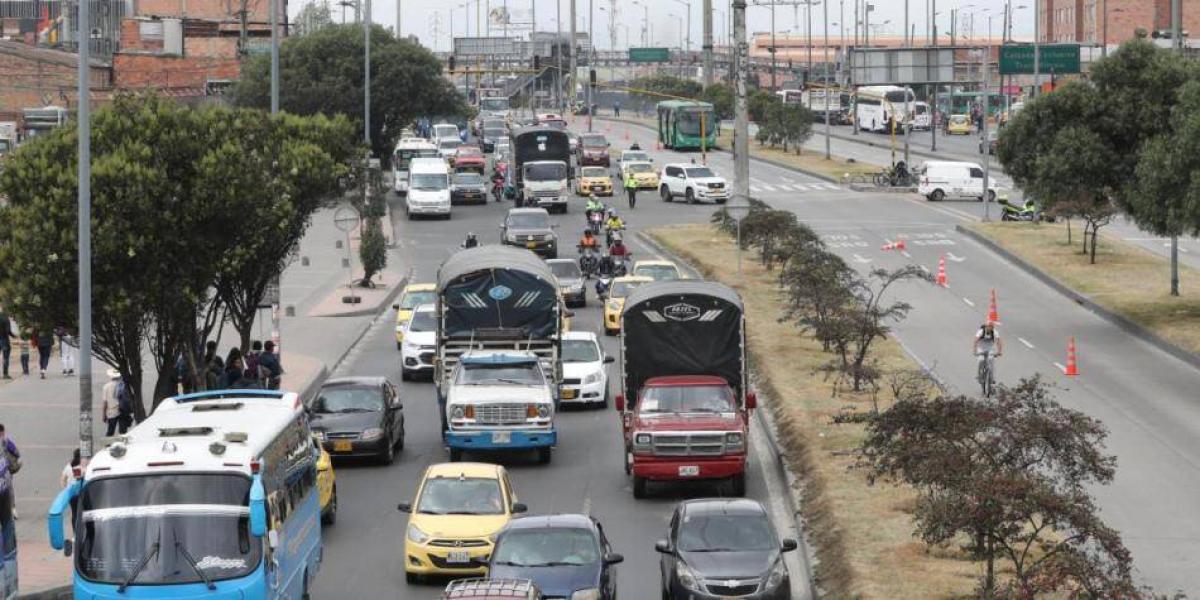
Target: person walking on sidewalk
{"x":45,"y":344}
{"x":6,"y":336}
{"x":253,"y":372}
{"x":235,"y":369}
{"x":268,"y":361}
{"x":24,"y":339}
{"x":117,"y":408}
{"x":213,"y":365}
{"x":9,"y":449}
{"x":68,"y":472}
{"x":67,"y":346}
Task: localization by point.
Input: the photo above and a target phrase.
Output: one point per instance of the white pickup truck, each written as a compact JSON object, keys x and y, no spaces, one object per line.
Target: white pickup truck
{"x":499,"y":400}
{"x":692,"y":182}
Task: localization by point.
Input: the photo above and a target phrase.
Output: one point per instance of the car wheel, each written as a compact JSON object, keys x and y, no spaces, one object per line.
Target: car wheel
{"x":628,"y":458}
{"x":665,"y":193}
{"x":610,"y":332}
{"x":737,"y":485}
{"x":604,"y":399}
{"x":400,"y":442}
{"x":399,"y":345}
{"x":720,"y":201}
{"x":330,"y":517}
{"x":937,"y":196}
{"x":991,"y":196}
{"x":405,"y":375}
{"x":690,"y":195}
{"x":639,"y":487}
{"x":544,"y":455}
{"x":389,"y":454}
{"x":411,"y":217}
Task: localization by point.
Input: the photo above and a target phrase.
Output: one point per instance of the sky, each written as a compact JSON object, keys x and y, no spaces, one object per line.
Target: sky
{"x":668,"y":18}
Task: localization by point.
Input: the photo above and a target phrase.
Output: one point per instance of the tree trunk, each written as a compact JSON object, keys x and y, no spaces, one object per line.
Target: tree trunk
{"x":1087,"y":224}
{"x":1095,"y":239}
{"x":133,"y":381}
{"x":989,"y":582}
{"x":166,"y":385}
{"x":1068,"y":220}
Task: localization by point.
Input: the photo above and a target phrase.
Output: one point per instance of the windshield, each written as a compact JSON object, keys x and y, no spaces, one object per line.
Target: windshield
{"x":689,"y":122}
{"x":631,"y":156}
{"x":921,"y":108}
{"x":547,"y":548}
{"x":566,"y":269}
{"x":555,"y":124}
{"x":621,"y":289}
{"x":493,"y":104}
{"x":412,"y":300}
{"x":640,"y":168}
{"x":449,"y":144}
{"x":348,"y":399}
{"x":657,"y":272}
{"x":422,"y":320}
{"x":958,"y":119}
{"x":492,"y":134}
{"x":525,"y":373}
{"x":469,"y":178}
{"x":460,"y":496}
{"x":726,"y":533}
{"x":593,"y":141}
{"x":580,"y":351}
{"x":166,"y":518}
{"x":428,"y":181}
{"x":700,"y":172}
{"x":469,"y":151}
{"x":445,"y":130}
{"x":685,"y":399}
{"x":545,"y":171}
{"x":528,"y":221}
{"x":594,"y":172}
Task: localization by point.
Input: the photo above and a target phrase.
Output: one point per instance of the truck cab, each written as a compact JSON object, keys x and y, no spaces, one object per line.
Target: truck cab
{"x":542,"y":162}
{"x":500,"y":400}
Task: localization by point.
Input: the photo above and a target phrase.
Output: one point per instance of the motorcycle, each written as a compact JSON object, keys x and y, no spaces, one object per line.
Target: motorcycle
{"x":589,"y":263}
{"x":618,"y":266}
{"x":595,"y":220}
{"x":609,"y":233}
{"x":498,"y":189}
{"x":1011,"y":212}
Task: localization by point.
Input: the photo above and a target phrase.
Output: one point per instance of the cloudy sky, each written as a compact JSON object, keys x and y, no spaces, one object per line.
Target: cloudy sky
{"x":431,"y":20}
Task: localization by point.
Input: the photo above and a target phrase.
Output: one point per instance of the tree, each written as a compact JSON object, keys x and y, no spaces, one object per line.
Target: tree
{"x":323,"y":73}
{"x":796,"y":124}
{"x":721,"y":97}
{"x":758,"y":103}
{"x":313,"y":17}
{"x":1012,"y":475}
{"x":372,"y":250}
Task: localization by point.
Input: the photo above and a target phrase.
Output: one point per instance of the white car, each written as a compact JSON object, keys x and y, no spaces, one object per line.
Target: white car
{"x":448,"y":148}
{"x":631,"y":156}
{"x":420,"y":343}
{"x":693,"y":183}
{"x":585,"y":378}
{"x":445,"y":131}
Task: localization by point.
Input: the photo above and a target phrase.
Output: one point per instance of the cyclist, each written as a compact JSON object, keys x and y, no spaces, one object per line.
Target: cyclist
{"x":987,"y":347}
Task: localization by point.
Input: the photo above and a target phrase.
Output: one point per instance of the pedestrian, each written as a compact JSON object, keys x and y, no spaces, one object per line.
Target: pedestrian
{"x":235,"y":369}
{"x":631,"y":190}
{"x":252,"y":370}
{"x":6,"y":335}
{"x":24,"y":339}
{"x":117,"y":408}
{"x":67,"y":344}
{"x":213,"y":365}
{"x":68,"y":473}
{"x":44,"y":338}
{"x":617,"y":109}
{"x":269,"y":362}
{"x":9,"y":449}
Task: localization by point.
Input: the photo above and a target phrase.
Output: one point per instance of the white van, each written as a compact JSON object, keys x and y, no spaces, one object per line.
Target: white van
{"x":922,"y":116}
{"x":940,"y":180}
{"x":428,"y":188}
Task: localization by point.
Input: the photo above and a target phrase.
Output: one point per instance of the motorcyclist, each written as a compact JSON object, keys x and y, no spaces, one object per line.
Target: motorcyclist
{"x":618,"y":249}
{"x":614,"y":222}
{"x":497,"y":184}
{"x":987,"y":343}
{"x":471,"y":241}
{"x":588,"y":240}
{"x":593,"y":206}
{"x":635,"y":146}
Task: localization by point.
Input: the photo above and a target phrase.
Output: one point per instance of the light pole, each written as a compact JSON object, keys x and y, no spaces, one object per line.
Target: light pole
{"x":706,"y":43}
{"x":774,"y":49}
{"x":825,"y":9}
{"x":679,"y":20}
{"x":645,"y":23}
{"x":687,"y":5}
{"x":84,"y":225}
{"x":367,"y":74}
{"x":739,"y":206}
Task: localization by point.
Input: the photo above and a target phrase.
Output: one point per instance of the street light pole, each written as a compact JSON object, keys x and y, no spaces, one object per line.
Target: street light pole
{"x":1037,"y":51}
{"x":84,"y":197}
{"x":741,"y":128}
{"x":367,"y":72}
{"x":707,"y":44}
{"x":274,"y":55}
{"x":774,"y":49}
{"x":825,"y":9}
{"x":571,"y":50}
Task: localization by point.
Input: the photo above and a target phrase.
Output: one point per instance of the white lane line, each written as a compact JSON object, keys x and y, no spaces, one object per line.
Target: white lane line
{"x":906,"y":254}
{"x":1024,"y":341}
{"x":924,"y":268}
{"x":969,"y":303}
{"x":767,"y":187}
{"x":1060,"y":367}
{"x":754,"y":188}
{"x":831,"y":186}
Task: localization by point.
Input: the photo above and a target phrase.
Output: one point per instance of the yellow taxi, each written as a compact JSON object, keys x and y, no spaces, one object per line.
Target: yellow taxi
{"x":594,"y":181}
{"x":658,"y":270}
{"x":959,"y":125}
{"x":643,"y":173}
{"x":414,"y":295}
{"x":326,"y":485}
{"x":621,"y":287}
{"x":459,"y":506}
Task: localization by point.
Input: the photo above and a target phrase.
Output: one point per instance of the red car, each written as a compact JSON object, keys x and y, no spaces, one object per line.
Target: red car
{"x":593,"y":150}
{"x":470,"y":158}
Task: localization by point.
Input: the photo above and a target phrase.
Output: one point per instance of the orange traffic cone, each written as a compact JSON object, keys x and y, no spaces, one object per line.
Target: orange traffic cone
{"x":888,"y":246}
{"x":941,"y":276}
{"x":1072,"y":364}
{"x":993,"y":316}
{"x":900,"y":244}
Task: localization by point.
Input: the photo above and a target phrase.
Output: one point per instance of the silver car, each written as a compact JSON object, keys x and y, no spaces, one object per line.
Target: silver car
{"x":570,"y":281}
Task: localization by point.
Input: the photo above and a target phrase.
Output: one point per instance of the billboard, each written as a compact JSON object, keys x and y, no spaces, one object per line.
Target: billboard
{"x":901,"y":66}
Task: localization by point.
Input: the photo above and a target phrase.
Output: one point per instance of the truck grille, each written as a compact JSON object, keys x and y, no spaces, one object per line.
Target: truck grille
{"x":689,"y":444}
{"x":716,"y":186}
{"x":545,"y":194}
{"x":500,"y":414}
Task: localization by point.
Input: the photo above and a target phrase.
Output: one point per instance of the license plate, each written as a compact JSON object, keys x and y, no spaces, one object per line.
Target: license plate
{"x":531,"y":244}
{"x":501,"y":437}
{"x":458,"y":557}
{"x":689,"y":471}
{"x":568,"y":394}
{"x":343,"y":446}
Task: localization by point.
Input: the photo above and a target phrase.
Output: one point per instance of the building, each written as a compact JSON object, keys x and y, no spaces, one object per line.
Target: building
{"x":36,"y":77}
{"x":1082,"y":21}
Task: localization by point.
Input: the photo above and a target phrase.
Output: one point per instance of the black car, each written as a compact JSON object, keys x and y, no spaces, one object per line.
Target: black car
{"x":358,"y":416}
{"x":567,"y":556}
{"x":530,"y":228}
{"x":468,"y":187}
{"x":489,"y":136}
{"x":721,"y":549}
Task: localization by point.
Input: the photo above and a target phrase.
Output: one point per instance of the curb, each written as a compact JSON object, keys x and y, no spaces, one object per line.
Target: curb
{"x":863,"y":187}
{"x":1120,"y":321}
{"x":773,"y":163}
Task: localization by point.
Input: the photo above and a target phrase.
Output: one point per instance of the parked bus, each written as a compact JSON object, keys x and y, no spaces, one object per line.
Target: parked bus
{"x":683,"y":123}
{"x":406,"y":150}
{"x":875,"y":106}
{"x":8,"y":534}
{"x":214,"y":495}
{"x":961,"y":102}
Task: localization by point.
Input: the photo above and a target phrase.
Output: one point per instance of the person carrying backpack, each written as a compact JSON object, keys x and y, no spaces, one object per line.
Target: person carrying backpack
{"x":117,"y":408}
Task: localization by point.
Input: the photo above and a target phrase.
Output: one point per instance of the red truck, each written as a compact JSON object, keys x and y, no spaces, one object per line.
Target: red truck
{"x":685,"y":403}
{"x":470,"y":158}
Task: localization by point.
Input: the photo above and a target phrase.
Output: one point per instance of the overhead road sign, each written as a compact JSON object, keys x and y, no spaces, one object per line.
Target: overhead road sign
{"x":1052,"y":58}
{"x":649,"y":55}
{"x":901,"y":66}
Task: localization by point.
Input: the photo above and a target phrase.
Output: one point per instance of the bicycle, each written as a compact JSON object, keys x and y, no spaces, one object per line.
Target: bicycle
{"x":896,"y":176}
{"x":987,"y":373}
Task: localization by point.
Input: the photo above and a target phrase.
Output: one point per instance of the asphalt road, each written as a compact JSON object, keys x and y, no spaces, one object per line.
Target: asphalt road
{"x":363,"y":551}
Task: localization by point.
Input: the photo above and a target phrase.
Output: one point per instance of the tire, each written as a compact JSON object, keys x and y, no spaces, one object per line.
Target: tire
{"x":690,"y":195}
{"x":399,"y":345}
{"x":664,"y":192}
{"x":609,"y":332}
{"x":389,"y":454}
{"x":991,"y":196}
{"x":720,"y":201}
{"x":410,"y":215}
{"x":627,"y":458}
{"x":544,"y":455}
{"x":737,"y":485}
{"x":400,"y":443}
{"x":937,"y":196}
{"x":456,"y":455}
{"x":639,"y":487}
{"x":330,"y":518}
{"x":304,"y":593}
{"x":405,"y":375}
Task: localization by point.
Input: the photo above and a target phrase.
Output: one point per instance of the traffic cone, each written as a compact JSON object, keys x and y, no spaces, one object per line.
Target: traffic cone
{"x":942,"y":280}
{"x":900,"y":244}
{"x":888,"y":246}
{"x":1072,"y":364}
{"x":993,"y":316}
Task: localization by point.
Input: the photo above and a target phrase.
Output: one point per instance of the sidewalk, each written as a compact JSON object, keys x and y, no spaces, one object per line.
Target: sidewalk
{"x":41,"y":416}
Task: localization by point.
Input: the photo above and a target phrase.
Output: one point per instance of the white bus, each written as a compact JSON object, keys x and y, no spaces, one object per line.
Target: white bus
{"x":215,"y":488}
{"x":876,"y":105}
{"x":406,"y":150}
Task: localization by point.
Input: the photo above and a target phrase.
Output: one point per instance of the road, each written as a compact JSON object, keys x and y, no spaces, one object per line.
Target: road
{"x":363,"y":550}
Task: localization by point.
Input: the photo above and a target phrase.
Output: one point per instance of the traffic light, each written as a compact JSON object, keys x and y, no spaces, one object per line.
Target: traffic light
{"x":537,"y":63}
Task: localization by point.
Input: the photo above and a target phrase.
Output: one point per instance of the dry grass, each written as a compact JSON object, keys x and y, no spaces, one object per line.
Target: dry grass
{"x":809,"y":161}
{"x":862,"y":534}
{"x":1126,"y":279}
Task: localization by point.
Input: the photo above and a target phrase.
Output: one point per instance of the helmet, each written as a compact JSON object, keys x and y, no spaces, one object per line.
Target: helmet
{"x":587,"y":232}
{"x":617,"y":238}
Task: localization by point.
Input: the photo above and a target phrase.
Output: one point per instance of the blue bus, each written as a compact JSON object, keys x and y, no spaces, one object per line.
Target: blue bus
{"x":213,"y":496}
{"x":8,"y":534}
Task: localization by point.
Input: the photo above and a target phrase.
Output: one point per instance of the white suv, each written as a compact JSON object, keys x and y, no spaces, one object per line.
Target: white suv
{"x":693,"y":182}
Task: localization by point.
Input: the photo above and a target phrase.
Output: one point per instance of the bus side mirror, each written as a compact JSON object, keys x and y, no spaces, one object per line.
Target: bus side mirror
{"x":258,"y":508}
{"x":751,"y":401}
{"x":620,"y":402}
{"x":54,"y":519}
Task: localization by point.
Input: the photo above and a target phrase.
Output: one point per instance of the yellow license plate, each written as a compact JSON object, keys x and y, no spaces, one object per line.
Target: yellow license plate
{"x":568,"y":394}
{"x":343,"y":446}
{"x":531,"y":244}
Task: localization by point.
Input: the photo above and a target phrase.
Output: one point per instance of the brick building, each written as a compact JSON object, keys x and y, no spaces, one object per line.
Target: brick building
{"x":1082,"y":21}
{"x":34,"y":77}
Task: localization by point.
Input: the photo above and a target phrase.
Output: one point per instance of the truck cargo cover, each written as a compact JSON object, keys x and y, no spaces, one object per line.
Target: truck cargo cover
{"x":497,"y":291}
{"x":682,"y":327}
{"x":540,"y":143}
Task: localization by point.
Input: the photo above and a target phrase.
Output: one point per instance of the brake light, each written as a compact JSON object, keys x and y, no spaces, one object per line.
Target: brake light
{"x":255,"y":467}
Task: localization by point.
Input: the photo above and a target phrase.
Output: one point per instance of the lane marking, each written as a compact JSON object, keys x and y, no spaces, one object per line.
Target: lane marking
{"x":906,"y":254}
{"x":969,"y":303}
{"x":767,"y":187}
{"x":1060,"y":367}
{"x":951,"y":256}
{"x":1023,"y":341}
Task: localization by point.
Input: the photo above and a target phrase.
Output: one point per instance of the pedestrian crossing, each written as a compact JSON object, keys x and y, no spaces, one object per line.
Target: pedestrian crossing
{"x":777,"y":187}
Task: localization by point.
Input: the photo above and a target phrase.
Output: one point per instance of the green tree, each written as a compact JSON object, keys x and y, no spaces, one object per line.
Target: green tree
{"x":372,"y":250}
{"x":759,"y":103}
{"x":314,"y":16}
{"x":796,"y":124}
{"x":323,"y":73}
{"x":721,"y":97}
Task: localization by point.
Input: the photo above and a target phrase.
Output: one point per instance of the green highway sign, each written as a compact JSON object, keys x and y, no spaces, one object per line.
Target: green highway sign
{"x":1052,"y":58}
{"x":649,"y":55}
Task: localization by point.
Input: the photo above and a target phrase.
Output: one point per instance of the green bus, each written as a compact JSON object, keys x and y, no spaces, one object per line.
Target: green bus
{"x":682,"y":123}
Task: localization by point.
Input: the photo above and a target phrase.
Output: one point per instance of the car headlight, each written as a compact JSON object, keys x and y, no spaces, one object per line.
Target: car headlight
{"x":415,"y":534}
{"x":777,"y":575}
{"x":735,"y":441}
{"x":687,"y":578}
{"x":543,"y":411}
{"x":642,"y":442}
{"x":372,"y":433}
{"x":592,"y":378}
{"x":588,"y":594}
{"x":456,"y":412}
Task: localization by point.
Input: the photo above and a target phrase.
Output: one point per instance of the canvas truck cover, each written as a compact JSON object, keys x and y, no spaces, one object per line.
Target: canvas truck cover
{"x":497,"y":292}
{"x":686,"y":327}
{"x":540,"y":143}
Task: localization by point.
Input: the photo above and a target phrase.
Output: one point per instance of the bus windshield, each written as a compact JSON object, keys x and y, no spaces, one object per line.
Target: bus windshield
{"x":181,"y":524}
{"x":493,"y":104}
{"x":689,"y":122}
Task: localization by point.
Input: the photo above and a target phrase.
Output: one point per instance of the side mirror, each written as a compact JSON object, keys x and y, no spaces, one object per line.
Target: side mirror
{"x":397,"y":404}
{"x":751,"y":401}
{"x":404,"y":507}
{"x":54,"y":519}
{"x":519,"y":507}
{"x":620,"y":402}
{"x":788,"y":545}
{"x":258,"y":508}
{"x":608,"y":360}
{"x":663,"y":547}
{"x":68,"y":547}
{"x":613,"y":559}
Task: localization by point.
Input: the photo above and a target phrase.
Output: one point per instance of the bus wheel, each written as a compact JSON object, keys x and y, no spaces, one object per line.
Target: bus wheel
{"x":305,"y":595}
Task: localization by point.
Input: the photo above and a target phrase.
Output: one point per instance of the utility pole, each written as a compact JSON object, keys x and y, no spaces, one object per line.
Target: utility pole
{"x":825,"y":8}
{"x":808,"y":38}
{"x":399,"y":13}
{"x":1177,"y":41}
{"x":572,"y":50}
{"x":1037,"y":49}
{"x":907,"y":39}
{"x":367,"y":73}
{"x":741,"y":124}
{"x":707,"y":49}
{"x":774,"y":49}
{"x":84,"y":184}
{"x":558,"y":52}
{"x":274,"y":55}
{"x":987,"y":155}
